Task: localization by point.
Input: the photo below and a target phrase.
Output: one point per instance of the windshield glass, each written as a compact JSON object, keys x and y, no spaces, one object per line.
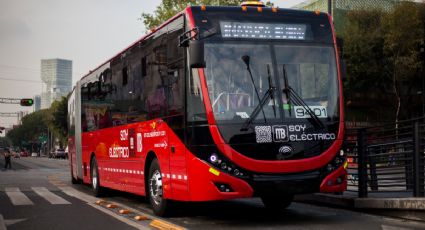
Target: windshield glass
{"x":310,"y":72}
{"x":234,"y":94}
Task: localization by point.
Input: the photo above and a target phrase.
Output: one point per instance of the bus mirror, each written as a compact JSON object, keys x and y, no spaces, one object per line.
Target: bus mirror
{"x":196,"y":53}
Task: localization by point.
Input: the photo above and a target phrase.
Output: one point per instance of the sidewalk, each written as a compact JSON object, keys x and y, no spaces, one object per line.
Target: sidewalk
{"x":412,"y":208}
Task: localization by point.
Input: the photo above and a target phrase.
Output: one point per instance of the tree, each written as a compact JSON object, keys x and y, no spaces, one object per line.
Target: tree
{"x":383,"y":63}
{"x":57,"y":119}
{"x":4,"y":142}
{"x":363,"y":53}
{"x":33,"y":126}
{"x":168,"y":8}
{"x":404,"y":28}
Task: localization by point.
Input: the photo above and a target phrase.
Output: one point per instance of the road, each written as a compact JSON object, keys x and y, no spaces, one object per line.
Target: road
{"x":37,"y":194}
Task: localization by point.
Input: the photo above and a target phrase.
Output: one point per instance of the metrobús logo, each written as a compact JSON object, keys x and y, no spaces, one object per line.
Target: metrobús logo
{"x":280,"y":133}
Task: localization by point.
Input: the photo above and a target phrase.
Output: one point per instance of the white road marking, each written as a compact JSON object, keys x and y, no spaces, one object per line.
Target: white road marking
{"x":49,"y":196}
{"x":17,"y":197}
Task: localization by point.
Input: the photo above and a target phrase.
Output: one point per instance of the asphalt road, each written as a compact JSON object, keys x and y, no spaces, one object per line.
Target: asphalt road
{"x":37,"y":194}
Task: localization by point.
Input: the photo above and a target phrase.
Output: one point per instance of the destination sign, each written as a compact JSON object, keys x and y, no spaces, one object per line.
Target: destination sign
{"x":263,"y":30}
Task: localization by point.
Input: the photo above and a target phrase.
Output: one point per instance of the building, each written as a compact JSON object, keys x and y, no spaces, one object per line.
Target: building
{"x":339,"y":8}
{"x":56,"y":75}
{"x":37,"y":103}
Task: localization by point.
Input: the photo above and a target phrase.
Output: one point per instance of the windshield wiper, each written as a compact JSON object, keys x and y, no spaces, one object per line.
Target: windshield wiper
{"x":261,"y":102}
{"x":314,"y":119}
{"x":271,"y":89}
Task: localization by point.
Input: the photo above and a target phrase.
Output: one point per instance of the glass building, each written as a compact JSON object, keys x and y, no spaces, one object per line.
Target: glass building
{"x":56,"y":75}
{"x":37,"y":103}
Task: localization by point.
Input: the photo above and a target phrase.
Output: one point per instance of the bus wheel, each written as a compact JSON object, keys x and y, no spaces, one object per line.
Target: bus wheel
{"x":95,"y":181}
{"x":156,"y":199}
{"x":275,"y":202}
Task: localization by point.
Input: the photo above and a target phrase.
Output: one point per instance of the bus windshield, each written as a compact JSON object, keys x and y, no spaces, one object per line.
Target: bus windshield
{"x":309,"y":70}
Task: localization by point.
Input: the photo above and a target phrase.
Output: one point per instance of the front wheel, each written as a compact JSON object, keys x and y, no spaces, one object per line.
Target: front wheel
{"x":276,"y":202}
{"x":95,"y":180}
{"x":155,"y":190}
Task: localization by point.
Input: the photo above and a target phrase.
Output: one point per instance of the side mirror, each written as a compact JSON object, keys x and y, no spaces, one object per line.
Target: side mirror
{"x":196,"y":54}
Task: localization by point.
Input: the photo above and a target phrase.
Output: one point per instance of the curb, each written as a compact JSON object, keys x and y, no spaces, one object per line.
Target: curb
{"x":404,"y":208}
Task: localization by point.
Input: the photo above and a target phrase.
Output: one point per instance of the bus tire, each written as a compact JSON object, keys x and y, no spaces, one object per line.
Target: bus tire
{"x":155,"y":190}
{"x":277,"y":202}
{"x":95,"y":180}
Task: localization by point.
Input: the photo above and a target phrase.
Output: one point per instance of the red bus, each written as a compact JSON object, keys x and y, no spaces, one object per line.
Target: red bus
{"x":216,"y":103}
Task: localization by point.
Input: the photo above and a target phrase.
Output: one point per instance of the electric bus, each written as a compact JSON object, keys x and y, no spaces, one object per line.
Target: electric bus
{"x":216,"y":103}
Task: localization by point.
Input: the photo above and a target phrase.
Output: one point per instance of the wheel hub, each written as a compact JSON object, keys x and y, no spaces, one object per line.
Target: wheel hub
{"x":155,"y":187}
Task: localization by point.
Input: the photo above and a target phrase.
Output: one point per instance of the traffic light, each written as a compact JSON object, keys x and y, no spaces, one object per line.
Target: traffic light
{"x":27,"y":102}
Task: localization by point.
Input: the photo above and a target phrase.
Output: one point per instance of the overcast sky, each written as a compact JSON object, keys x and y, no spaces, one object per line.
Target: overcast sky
{"x":88,"y":32}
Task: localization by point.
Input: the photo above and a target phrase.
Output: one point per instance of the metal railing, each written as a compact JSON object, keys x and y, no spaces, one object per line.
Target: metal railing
{"x":387,"y":159}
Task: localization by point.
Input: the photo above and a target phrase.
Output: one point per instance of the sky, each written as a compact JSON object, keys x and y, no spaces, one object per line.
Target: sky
{"x":88,"y":32}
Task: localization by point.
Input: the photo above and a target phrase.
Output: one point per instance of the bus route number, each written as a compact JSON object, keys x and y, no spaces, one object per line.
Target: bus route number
{"x":320,"y":111}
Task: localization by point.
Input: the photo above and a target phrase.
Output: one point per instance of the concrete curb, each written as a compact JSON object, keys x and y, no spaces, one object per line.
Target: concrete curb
{"x":411,"y":204}
{"x":404,"y":208}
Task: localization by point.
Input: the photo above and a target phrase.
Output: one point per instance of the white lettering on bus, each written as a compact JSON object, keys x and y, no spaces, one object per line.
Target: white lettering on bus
{"x":154,"y":134}
{"x":124,"y":134}
{"x":312,"y":137}
{"x":297,"y":128}
{"x":119,"y":152}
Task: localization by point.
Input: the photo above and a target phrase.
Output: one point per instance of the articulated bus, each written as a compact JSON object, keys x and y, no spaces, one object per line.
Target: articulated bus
{"x":216,"y":103}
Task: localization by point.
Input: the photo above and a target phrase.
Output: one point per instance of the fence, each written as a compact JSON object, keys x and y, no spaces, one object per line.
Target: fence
{"x":388,"y":159}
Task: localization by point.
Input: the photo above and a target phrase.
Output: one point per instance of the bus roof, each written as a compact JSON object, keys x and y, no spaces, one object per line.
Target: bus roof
{"x":224,"y":9}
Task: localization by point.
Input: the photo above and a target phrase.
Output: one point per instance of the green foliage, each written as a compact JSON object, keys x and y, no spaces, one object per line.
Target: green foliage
{"x":169,"y":8}
{"x":364,"y":43}
{"x":5,"y":142}
{"x":383,"y":63}
{"x":57,"y":119}
{"x":33,"y":125}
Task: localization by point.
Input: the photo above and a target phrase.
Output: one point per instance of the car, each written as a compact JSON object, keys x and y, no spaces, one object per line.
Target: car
{"x":34,"y":155}
{"x":25,"y":153}
{"x":60,"y":153}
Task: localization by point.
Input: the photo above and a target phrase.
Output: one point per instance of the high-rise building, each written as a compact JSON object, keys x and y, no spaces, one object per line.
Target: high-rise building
{"x":37,"y":103}
{"x":56,"y":75}
{"x":339,"y":8}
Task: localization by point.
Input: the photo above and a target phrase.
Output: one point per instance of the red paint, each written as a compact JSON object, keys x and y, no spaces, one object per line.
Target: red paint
{"x":331,"y":179}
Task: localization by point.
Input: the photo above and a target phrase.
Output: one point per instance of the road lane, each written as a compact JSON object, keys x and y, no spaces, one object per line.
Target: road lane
{"x":235,"y":214}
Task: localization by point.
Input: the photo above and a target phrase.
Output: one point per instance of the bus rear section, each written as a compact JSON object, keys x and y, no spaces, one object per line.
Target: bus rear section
{"x":217,"y":103}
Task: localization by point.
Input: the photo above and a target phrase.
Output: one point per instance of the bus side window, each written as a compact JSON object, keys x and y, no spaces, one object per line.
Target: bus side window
{"x":175,"y":69}
{"x":154,"y":81}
